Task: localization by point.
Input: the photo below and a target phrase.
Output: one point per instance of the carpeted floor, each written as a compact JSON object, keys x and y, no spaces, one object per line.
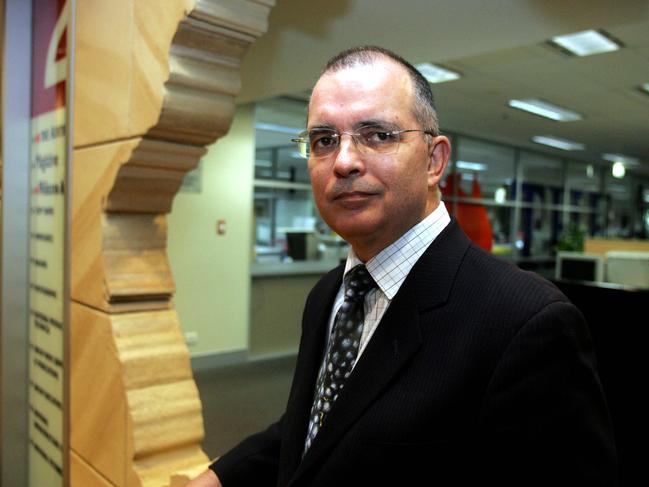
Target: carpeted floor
{"x":240,"y":400}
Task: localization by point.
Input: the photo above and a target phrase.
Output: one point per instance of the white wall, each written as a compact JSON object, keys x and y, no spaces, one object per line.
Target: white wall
{"x":212,"y":272}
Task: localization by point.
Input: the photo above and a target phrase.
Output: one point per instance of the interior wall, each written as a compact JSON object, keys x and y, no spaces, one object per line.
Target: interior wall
{"x":211,"y":271}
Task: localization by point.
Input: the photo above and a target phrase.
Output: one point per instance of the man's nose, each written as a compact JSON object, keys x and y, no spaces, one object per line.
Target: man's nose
{"x":348,"y":158}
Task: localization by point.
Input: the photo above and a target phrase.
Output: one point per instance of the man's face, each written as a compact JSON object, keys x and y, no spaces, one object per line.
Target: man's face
{"x":371,"y":200}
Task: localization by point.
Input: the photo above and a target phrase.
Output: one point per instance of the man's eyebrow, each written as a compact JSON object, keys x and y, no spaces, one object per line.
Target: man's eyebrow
{"x":324,"y":126}
{"x":373,"y":122}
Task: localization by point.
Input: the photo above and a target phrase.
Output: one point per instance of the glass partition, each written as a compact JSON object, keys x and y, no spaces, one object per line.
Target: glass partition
{"x":281,"y":163}
{"x":479,"y":191}
{"x":483,"y":169}
{"x":619,"y":206}
{"x":541,"y":199}
{"x":583,"y":190}
{"x":280,"y":214}
{"x":518,"y":203}
{"x":288,"y":227}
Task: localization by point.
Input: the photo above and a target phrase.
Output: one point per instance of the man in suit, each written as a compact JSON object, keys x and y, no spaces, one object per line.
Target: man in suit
{"x":464,"y":369}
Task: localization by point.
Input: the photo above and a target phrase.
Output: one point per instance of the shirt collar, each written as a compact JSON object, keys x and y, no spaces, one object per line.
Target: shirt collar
{"x":390,"y":267}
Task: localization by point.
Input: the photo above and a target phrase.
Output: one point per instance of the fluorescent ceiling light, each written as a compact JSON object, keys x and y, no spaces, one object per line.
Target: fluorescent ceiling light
{"x":628,"y":161}
{"x":436,"y":74}
{"x":545,"y":109}
{"x":471,"y":166}
{"x":586,"y":43}
{"x":282,"y":129}
{"x":618,"y":170}
{"x":558,"y":143}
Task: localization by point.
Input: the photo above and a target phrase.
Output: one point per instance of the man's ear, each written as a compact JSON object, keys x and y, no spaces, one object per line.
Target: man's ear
{"x":439,"y":152}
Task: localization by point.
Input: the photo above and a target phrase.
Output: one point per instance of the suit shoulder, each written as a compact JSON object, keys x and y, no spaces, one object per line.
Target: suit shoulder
{"x":505,"y":286}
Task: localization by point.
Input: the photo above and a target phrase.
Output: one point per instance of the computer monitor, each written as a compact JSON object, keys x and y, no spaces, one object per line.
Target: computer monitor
{"x":579,"y":266}
{"x":628,"y":268}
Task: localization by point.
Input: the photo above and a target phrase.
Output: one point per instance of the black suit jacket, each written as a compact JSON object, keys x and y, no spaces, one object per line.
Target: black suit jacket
{"x":478,"y":373}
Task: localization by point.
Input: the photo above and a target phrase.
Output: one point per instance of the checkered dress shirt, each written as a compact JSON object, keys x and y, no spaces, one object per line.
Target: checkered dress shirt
{"x":390,"y":267}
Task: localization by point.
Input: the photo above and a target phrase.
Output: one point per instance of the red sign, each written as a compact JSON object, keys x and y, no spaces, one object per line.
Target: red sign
{"x":49,"y":56}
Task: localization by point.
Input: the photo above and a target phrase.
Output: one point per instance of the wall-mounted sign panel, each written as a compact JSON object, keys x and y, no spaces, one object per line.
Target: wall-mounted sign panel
{"x":47,"y":241}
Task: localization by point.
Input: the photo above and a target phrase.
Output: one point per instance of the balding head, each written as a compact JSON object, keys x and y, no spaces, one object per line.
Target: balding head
{"x":423,"y":102}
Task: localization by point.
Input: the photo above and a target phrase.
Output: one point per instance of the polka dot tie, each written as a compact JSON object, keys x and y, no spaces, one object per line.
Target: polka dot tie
{"x":343,"y":348}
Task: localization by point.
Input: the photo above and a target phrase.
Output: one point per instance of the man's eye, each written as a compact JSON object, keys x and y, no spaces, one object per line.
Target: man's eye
{"x":323,"y":141}
{"x":376,"y":136}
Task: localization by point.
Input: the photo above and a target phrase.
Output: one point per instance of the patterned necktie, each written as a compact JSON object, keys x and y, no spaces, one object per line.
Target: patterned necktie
{"x":343,"y":348}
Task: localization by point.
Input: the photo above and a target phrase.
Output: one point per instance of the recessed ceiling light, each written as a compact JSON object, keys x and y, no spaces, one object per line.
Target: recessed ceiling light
{"x":471,"y":166}
{"x":645,"y":88}
{"x":545,"y":109}
{"x":628,"y":161}
{"x":586,"y":43}
{"x":436,"y":74}
{"x":618,"y":170}
{"x":558,"y":143}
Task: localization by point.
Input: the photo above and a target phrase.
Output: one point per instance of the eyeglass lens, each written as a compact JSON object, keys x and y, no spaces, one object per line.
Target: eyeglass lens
{"x":371,"y":139}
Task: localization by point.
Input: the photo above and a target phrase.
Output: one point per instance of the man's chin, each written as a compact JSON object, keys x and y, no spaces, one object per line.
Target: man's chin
{"x":360,"y":232}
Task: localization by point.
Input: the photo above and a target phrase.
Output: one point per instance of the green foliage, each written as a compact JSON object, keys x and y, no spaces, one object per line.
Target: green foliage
{"x":572,"y":239}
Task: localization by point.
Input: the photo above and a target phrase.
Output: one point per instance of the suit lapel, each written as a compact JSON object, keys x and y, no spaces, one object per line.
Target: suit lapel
{"x":396,"y":339}
{"x":311,"y":353}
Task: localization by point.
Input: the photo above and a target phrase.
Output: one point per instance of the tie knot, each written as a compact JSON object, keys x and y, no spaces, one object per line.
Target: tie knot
{"x":358,"y":282}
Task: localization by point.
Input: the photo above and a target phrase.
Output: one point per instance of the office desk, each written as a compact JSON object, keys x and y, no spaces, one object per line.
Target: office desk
{"x":618,"y":318}
{"x":278,"y":293}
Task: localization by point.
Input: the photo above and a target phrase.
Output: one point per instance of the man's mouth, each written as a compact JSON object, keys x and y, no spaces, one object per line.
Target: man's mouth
{"x":353,"y":199}
{"x":352,"y":195}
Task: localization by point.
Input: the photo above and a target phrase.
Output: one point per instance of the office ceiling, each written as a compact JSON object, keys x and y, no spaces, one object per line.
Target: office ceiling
{"x":501,"y":49}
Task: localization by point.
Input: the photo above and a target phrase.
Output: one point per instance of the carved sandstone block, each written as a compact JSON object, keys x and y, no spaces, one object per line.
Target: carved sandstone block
{"x":154,"y":83}
{"x":120,"y":195}
{"x":83,"y":475}
{"x":134,"y":391}
{"x":122,"y":52}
